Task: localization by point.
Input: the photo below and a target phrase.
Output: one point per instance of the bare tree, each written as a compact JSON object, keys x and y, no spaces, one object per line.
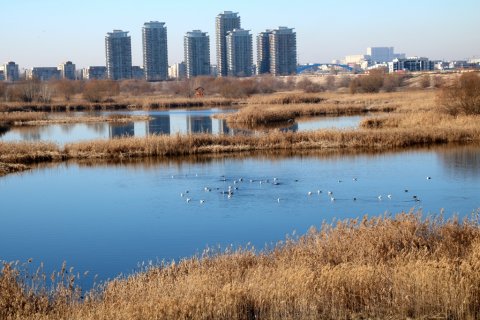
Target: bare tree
{"x":463,"y":97}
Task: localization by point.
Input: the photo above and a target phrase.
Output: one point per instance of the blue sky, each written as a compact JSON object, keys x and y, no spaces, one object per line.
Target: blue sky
{"x":47,"y":32}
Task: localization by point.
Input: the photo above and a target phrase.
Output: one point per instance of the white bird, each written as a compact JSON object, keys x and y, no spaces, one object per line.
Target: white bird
{"x":229,"y":196}
{"x":428,"y":178}
{"x":354,"y":179}
{"x":330,"y":193}
{"x":319,"y":191}
{"x":188,"y":199}
{"x":389,"y":196}
{"x":332,"y":199}
{"x":202,"y":201}
{"x":278,"y":199}
{"x":309,"y":193}
{"x":380,"y":197}
{"x":181,"y":194}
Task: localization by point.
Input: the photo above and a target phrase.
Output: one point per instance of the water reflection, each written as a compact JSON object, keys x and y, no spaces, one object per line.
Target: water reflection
{"x":464,"y":160}
{"x":135,"y":212}
{"x":162,"y":122}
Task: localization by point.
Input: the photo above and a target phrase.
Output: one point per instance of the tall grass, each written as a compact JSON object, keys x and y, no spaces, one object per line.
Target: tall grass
{"x":43,"y":118}
{"x":465,"y":131}
{"x":384,"y":267}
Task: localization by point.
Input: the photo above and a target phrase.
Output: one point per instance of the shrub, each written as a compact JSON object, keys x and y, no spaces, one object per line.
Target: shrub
{"x":136,"y":87}
{"x":65,"y":88}
{"x":99,"y":90}
{"x":309,"y":86}
{"x":373,"y":82}
{"x":463,"y":97}
{"x":392,"y":81}
{"x":425,"y":81}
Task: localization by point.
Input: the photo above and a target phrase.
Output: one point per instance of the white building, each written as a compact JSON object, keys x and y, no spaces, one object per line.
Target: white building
{"x":176,"y":71}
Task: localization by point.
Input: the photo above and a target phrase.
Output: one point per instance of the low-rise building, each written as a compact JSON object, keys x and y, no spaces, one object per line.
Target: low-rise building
{"x":95,"y":73}
{"x":67,"y":70}
{"x":412,"y":64}
{"x":43,"y":73}
{"x":138,"y":73}
{"x":176,"y":71}
{"x":11,"y":72}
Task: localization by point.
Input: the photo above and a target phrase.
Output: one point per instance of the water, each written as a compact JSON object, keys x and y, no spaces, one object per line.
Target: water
{"x":163,"y":122}
{"x":106,"y":218}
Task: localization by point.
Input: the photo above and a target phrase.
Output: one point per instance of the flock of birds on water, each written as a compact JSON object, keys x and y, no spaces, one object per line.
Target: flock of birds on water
{"x":234,"y":187}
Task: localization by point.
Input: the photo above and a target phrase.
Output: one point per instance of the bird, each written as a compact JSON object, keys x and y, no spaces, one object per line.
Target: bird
{"x":332,"y":199}
{"x":319,"y":191}
{"x":188,"y":199}
{"x":202,"y":201}
{"x":309,"y":193}
{"x":330,"y":193}
{"x":428,"y":178}
{"x":278,"y":199}
{"x":229,"y":195}
{"x":389,"y":196}
{"x":181,"y":194}
{"x":354,"y":179}
{"x":354,"y":199}
{"x":379,"y":197}
{"x":339,"y":181}
{"x":406,"y":190}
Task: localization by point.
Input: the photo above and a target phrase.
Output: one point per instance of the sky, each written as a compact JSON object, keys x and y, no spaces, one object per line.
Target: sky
{"x":48,"y":32}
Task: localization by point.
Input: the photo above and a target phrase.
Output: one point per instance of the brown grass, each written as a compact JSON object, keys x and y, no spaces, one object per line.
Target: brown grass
{"x":43,"y":118}
{"x":416,"y":122}
{"x":377,"y":268}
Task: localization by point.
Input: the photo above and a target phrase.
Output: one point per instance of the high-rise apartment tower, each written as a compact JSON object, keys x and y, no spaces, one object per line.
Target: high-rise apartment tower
{"x":197,"y":53}
{"x":118,"y":50}
{"x":224,"y":22}
{"x":263,"y":52}
{"x":283,"y":52}
{"x":239,"y":53}
{"x":155,"y":53}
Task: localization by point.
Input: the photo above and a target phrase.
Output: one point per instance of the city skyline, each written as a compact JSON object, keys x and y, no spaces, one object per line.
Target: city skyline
{"x":325,"y":31}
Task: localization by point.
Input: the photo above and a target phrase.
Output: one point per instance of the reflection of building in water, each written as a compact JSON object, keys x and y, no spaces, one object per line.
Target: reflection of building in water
{"x":160,"y":124}
{"x":293,"y":127}
{"x":199,"y":124}
{"x":464,"y":161}
{"x":219,"y":126}
{"x":97,"y":127}
{"x":121,"y":130}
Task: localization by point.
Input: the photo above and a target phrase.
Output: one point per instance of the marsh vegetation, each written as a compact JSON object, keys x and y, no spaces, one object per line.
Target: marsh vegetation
{"x":406,"y":267}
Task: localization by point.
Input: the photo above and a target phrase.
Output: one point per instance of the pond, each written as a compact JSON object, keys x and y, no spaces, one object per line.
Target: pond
{"x":162,"y":122}
{"x":106,"y":218}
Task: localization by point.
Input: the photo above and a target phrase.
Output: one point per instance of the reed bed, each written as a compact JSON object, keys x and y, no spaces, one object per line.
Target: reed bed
{"x":255,"y":115}
{"x":286,"y":98}
{"x":401,"y":267}
{"x":173,"y":103}
{"x":43,"y":118}
{"x":182,"y":145}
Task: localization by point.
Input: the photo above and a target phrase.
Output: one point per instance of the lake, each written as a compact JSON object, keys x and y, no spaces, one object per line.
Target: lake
{"x":162,"y":122}
{"x":106,"y":218}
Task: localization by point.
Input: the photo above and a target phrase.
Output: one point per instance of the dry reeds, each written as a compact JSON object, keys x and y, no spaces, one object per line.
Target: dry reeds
{"x":42,"y":118}
{"x":463,"y":131}
{"x":384,"y":267}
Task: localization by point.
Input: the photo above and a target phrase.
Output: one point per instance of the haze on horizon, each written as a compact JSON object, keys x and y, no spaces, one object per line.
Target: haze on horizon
{"x":48,"y":32}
